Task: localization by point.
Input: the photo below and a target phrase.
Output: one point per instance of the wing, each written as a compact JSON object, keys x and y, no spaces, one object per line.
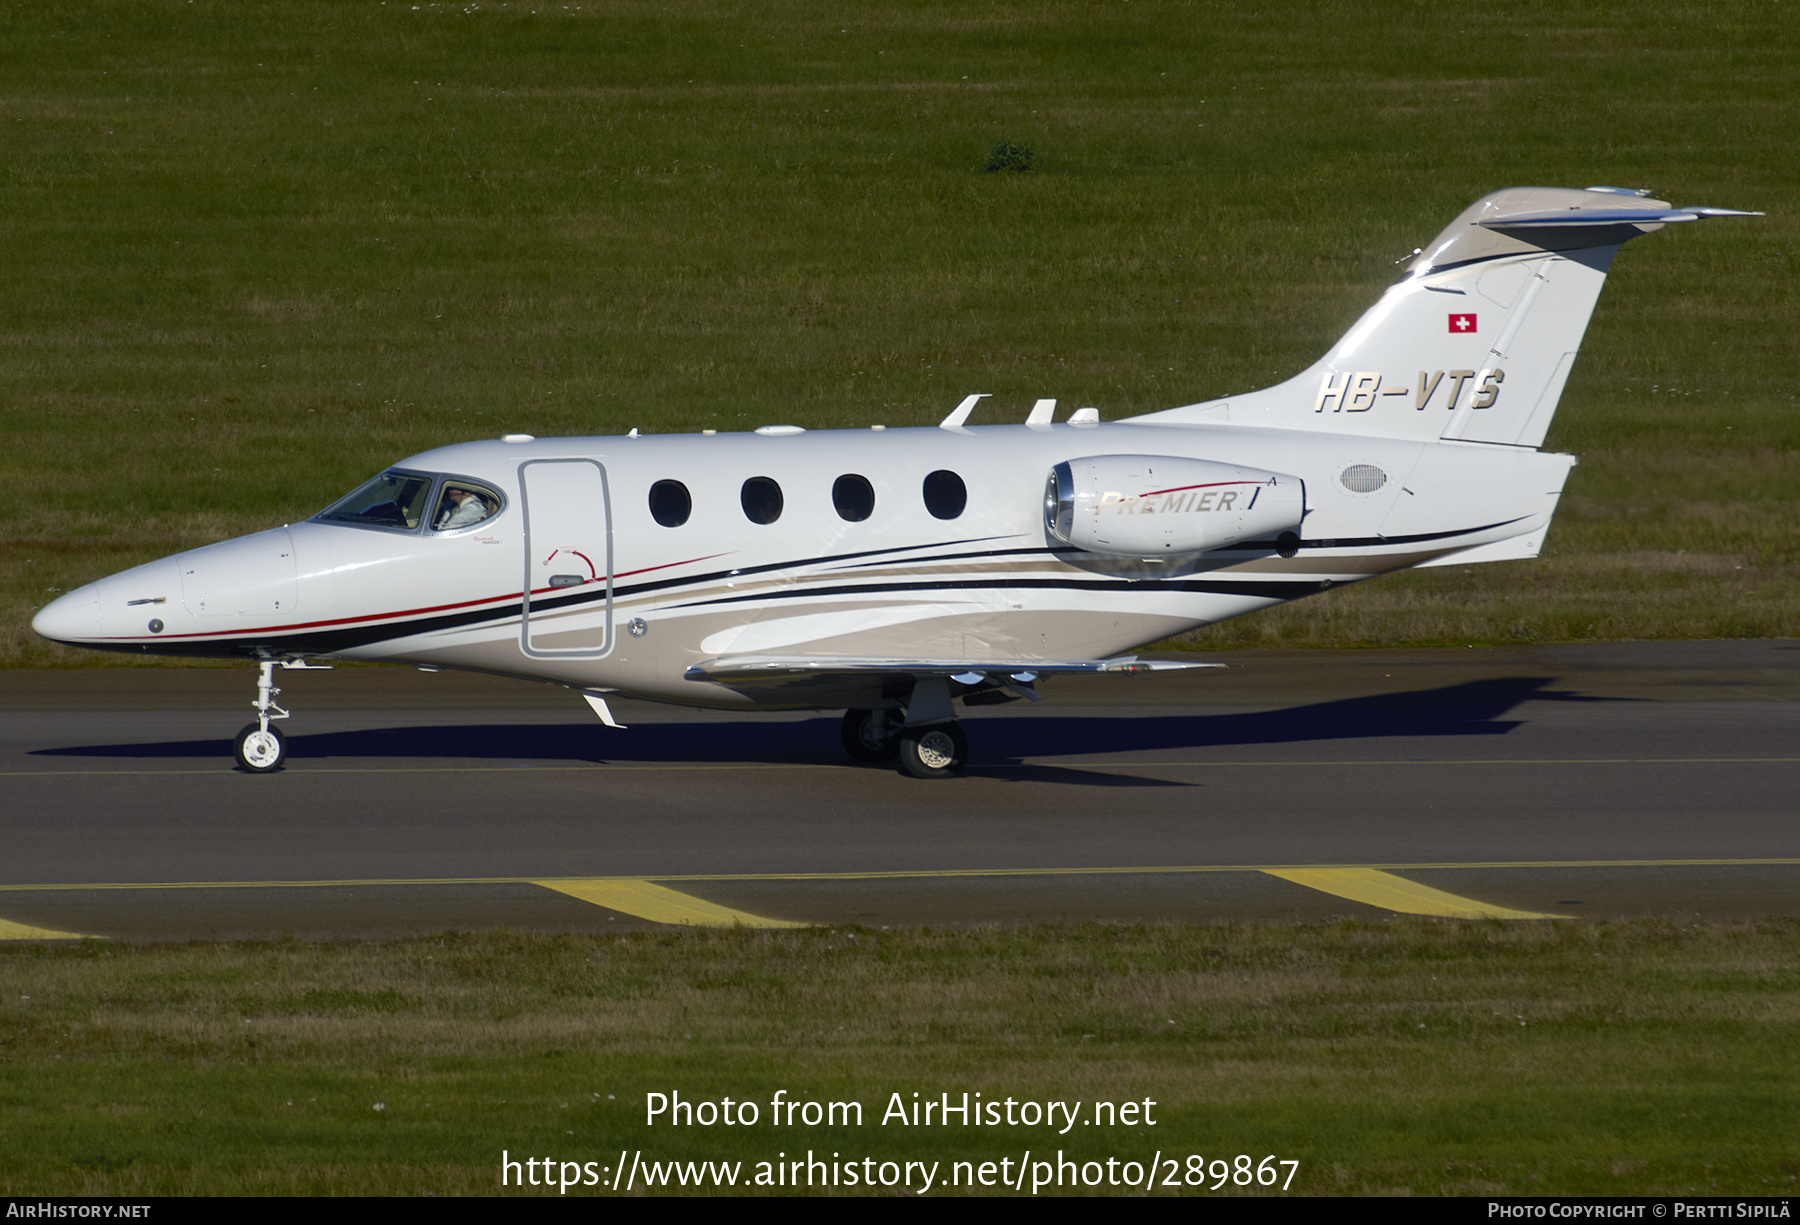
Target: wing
{"x":728,"y":669}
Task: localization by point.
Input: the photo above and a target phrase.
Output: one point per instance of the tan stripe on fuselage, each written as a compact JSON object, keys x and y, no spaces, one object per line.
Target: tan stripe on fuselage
{"x":1311,"y":567}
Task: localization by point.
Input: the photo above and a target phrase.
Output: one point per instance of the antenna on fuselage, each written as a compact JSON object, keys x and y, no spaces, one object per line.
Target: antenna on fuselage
{"x":961,"y":412}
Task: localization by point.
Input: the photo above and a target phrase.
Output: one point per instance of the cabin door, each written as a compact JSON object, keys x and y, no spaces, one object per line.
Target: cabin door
{"x":568,"y":559}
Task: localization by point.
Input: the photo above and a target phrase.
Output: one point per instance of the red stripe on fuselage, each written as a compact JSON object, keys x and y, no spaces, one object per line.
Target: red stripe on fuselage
{"x":410,"y":612}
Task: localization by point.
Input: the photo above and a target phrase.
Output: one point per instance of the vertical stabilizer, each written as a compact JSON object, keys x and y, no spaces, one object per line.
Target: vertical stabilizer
{"x":1476,"y":341}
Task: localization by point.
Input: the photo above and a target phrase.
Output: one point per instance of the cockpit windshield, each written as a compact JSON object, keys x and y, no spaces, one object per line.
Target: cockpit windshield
{"x":391,"y":500}
{"x":398,"y":502}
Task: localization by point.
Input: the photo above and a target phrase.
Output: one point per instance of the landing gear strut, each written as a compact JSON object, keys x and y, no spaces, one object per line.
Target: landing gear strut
{"x":261,"y":749}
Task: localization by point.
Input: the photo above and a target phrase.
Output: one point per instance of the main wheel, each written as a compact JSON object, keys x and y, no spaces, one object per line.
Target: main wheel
{"x":261,"y":752}
{"x":937,"y":750}
{"x":871,"y":735}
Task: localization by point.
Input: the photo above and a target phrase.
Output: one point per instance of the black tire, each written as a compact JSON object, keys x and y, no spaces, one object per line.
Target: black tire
{"x":868,"y":739}
{"x":937,"y":750}
{"x":261,"y":752}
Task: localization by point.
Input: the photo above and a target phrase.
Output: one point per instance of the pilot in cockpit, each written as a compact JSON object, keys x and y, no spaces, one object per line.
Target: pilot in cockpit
{"x":460,"y":507}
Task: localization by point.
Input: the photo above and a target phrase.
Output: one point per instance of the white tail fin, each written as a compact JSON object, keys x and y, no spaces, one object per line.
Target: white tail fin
{"x":1476,"y":342}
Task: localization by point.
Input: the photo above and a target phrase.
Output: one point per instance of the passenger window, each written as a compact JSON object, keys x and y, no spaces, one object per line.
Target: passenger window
{"x":853,"y":497}
{"x":463,"y":505}
{"x":670,"y":504}
{"x":945,"y":494}
{"x":762,"y":500}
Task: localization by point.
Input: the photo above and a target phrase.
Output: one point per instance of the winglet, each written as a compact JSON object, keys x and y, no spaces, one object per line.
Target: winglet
{"x":961,"y":412}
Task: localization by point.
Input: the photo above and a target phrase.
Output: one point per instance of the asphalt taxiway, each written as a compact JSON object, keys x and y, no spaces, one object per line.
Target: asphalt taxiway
{"x":1606,"y":780}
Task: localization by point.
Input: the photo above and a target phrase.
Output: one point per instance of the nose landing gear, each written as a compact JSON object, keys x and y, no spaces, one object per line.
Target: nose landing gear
{"x":260,"y":749}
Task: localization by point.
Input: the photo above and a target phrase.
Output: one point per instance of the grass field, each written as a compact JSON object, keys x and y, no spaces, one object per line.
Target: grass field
{"x":1426,"y":1058}
{"x":258,"y":252}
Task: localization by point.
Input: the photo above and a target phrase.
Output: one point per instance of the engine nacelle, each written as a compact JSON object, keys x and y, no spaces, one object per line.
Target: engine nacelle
{"x":1158,"y":506}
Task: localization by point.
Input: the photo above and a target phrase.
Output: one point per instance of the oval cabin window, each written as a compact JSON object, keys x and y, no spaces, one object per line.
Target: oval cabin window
{"x":945,"y":494}
{"x":670,"y":504}
{"x":853,"y":497}
{"x":762,"y":500}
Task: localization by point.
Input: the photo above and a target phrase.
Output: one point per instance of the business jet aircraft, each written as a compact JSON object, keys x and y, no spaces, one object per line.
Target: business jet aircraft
{"x":891,"y":572}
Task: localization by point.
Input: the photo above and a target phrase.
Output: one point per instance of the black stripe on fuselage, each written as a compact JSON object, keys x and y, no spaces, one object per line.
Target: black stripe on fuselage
{"x":1370,"y":542}
{"x":1231,"y":555}
{"x":343,"y":638}
{"x":1269,"y":589}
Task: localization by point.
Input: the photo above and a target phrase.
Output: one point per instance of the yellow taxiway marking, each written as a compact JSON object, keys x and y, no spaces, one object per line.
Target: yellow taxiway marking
{"x":21,"y":931}
{"x":1373,"y":887}
{"x":658,"y":904}
{"x":908,"y":874}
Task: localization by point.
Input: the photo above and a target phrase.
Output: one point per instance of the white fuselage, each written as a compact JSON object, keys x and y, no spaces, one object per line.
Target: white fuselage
{"x":571,"y":579}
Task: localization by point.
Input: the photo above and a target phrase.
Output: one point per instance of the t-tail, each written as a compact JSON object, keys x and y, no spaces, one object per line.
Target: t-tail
{"x":1475,"y":343}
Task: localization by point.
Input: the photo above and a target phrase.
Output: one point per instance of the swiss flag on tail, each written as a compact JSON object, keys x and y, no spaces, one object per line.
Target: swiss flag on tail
{"x":1462,"y":324}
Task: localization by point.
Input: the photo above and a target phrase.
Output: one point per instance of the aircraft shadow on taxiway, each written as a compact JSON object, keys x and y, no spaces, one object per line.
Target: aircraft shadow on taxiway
{"x":1475,"y":708}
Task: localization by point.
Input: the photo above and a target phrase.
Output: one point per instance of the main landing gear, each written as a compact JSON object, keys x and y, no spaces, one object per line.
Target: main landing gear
{"x":261,"y":749}
{"x":926,"y":739}
{"x":871,"y":735}
{"x":935,"y":751}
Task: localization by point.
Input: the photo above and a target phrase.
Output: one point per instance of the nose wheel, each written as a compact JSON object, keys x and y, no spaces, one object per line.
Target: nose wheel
{"x":937,"y":750}
{"x":261,"y":750}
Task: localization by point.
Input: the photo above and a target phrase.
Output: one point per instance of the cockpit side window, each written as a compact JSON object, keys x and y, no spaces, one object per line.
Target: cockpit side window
{"x":394,"y":500}
{"x":463,"y":504}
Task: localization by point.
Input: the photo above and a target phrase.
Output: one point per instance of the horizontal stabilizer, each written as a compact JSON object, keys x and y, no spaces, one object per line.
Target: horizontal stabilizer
{"x":763,"y":667}
{"x":1615,"y":216}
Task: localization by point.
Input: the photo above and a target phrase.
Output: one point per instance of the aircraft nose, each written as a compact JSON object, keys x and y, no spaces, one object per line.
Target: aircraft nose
{"x":74,"y":617}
